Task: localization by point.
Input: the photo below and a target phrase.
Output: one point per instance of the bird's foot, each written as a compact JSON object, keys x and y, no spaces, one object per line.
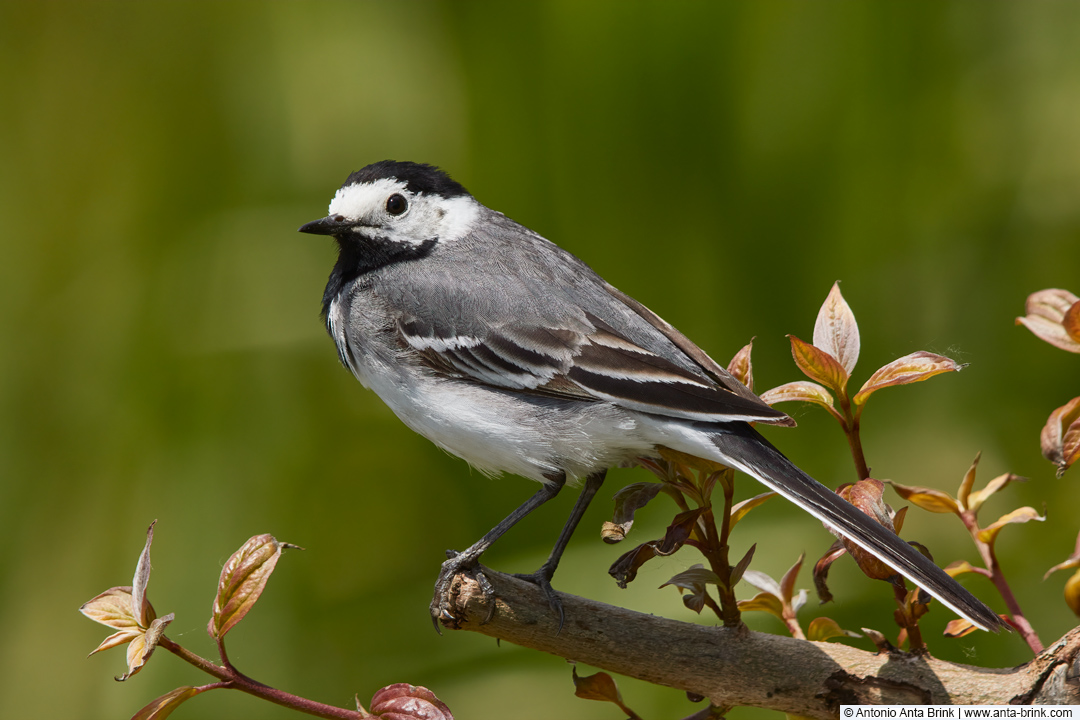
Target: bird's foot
{"x":442,"y":601}
{"x":542,"y":579}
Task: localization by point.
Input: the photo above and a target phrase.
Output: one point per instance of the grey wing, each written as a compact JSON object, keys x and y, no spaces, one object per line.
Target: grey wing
{"x":559,"y":348}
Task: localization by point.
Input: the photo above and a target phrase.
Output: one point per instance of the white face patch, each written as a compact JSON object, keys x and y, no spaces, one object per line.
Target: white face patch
{"x":357,"y":202}
{"x":428,"y":216}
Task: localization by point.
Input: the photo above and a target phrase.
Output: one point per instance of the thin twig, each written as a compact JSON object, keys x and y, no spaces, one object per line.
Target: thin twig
{"x":233,"y":679}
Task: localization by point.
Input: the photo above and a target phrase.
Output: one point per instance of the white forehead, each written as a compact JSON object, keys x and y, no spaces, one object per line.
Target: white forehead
{"x":355,"y":201}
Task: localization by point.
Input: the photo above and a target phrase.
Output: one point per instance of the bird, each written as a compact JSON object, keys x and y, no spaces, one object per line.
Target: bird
{"x":505,"y":350}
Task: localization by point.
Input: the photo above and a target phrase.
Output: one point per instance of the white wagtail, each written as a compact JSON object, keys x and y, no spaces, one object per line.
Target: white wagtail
{"x":509,"y":352}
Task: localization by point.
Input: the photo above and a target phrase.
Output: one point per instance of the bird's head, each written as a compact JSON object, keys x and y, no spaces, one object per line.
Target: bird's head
{"x":398,"y":203}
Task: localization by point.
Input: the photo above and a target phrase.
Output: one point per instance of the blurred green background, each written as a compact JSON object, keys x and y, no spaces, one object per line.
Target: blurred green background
{"x":162,"y":355}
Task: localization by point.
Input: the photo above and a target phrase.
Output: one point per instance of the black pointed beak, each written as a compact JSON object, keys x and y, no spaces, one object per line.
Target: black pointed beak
{"x":330,"y":225}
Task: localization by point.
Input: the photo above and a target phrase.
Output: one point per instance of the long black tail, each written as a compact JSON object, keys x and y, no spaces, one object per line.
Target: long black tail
{"x":745,"y":449}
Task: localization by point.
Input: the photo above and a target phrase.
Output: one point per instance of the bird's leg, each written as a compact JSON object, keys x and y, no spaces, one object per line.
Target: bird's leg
{"x":467,"y":560}
{"x":542,"y":577}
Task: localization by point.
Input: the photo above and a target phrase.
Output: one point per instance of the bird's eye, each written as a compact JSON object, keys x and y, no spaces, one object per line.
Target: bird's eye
{"x":396,"y":204}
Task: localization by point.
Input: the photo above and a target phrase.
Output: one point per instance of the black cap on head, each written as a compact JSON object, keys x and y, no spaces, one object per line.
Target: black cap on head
{"x":418,"y":177}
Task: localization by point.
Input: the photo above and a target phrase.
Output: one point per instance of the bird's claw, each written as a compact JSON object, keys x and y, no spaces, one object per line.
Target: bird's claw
{"x":542,"y":579}
{"x":441,"y":602}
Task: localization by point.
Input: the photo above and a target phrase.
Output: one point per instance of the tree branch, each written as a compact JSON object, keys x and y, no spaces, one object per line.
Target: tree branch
{"x":736,"y":666}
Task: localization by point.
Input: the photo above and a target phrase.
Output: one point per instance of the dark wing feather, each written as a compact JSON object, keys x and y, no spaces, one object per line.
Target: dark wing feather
{"x":587,"y":364}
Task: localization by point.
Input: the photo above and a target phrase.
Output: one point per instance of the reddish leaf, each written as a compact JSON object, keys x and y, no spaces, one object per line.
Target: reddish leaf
{"x":242,"y":581}
{"x":139,"y":603}
{"x":402,"y":701}
{"x":740,"y":568}
{"x":927,"y":498}
{"x":626,"y":567}
{"x":866,"y":496}
{"x":601,"y":686}
{"x":693,"y":578}
{"x":693,"y":581}
{"x":1051,"y":304}
{"x":818,"y":365}
{"x":836,"y":331}
{"x":628,"y":501}
{"x":117,"y":638}
{"x":142,"y":645}
{"x":1060,"y":437}
{"x":162,"y":707}
{"x":1071,"y":321}
{"x":112,"y":608}
{"x":821,"y":570}
{"x":1051,"y":332}
{"x":787,"y":583}
{"x":1070,"y":447}
{"x":1048,"y":311}
{"x":741,"y":366}
{"x":916,"y":367}
{"x":800,"y":391}
{"x":624,"y":570}
{"x":678,"y":532}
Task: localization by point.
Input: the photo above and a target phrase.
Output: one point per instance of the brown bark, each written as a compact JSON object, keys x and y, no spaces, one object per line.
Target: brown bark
{"x":736,"y":666}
